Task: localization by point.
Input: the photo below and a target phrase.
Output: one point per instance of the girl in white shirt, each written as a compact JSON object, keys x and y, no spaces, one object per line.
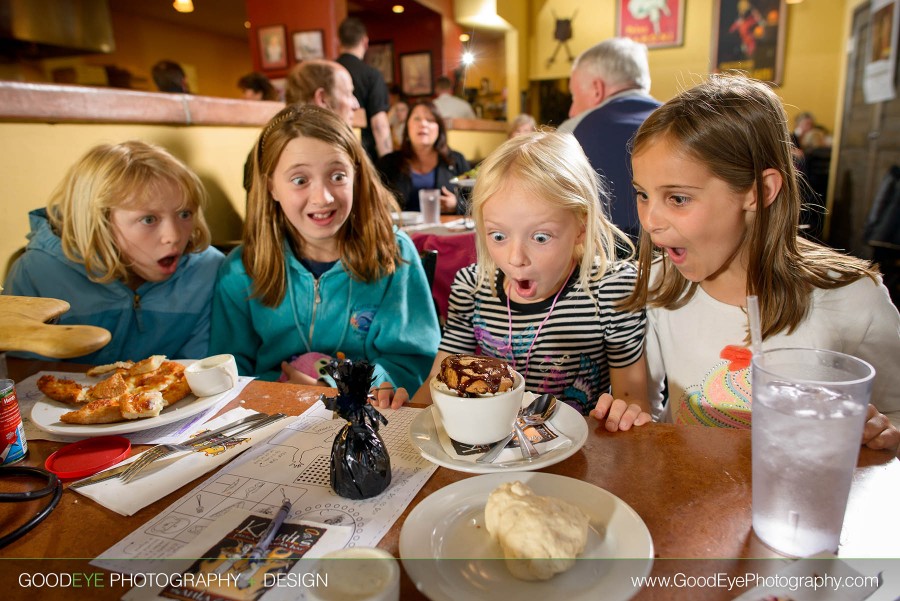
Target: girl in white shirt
{"x":717,"y":194}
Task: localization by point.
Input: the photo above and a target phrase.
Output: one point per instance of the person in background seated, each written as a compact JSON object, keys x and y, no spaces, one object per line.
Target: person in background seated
{"x":321,"y":270}
{"x":320,"y":82}
{"x":256,"y":86}
{"x":523,"y":124}
{"x":169,"y":77}
{"x":450,"y":106}
{"x":717,"y":195}
{"x":610,"y":87}
{"x":397,"y":117}
{"x":123,"y":240}
{"x":424,"y":161}
{"x":544,"y":294}
{"x":368,"y":85}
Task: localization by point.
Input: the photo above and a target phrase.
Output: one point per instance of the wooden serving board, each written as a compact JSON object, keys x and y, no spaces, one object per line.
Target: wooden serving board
{"x":23,"y":328}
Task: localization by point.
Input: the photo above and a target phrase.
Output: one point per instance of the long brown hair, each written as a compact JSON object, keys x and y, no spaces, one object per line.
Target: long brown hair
{"x":366,"y":241}
{"x":737,"y":128}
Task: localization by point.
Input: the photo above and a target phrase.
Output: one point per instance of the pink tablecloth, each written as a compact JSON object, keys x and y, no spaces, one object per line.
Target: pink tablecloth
{"x":454,"y":251}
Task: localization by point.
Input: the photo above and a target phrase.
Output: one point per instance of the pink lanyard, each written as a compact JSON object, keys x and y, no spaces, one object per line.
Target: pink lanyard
{"x":540,"y":327}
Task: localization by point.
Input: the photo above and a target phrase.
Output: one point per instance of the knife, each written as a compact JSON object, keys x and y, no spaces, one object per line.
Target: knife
{"x":247,"y":424}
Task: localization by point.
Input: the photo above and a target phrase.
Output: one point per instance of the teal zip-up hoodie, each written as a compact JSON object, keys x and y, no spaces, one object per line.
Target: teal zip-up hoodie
{"x":159,"y":318}
{"x":390,"y":322}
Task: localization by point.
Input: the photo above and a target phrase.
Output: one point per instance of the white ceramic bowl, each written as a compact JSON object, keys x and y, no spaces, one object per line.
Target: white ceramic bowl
{"x":478,"y":420}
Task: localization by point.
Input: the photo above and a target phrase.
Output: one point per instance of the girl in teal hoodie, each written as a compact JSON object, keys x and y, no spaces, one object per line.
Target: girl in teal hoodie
{"x":321,"y":269}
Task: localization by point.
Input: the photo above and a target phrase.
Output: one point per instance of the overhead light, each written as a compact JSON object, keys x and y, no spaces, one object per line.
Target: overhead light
{"x":468,"y":58}
{"x":246,"y":24}
{"x":183,"y":6}
{"x":398,"y":8}
{"x":464,"y":37}
{"x":793,"y":1}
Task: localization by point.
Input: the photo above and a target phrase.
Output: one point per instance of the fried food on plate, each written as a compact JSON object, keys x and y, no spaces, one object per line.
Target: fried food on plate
{"x":133,"y":391}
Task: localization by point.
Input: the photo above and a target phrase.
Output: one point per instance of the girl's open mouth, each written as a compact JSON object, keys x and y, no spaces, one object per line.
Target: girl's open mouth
{"x":676,"y":255}
{"x":322,"y":218}
{"x":525,"y":288}
{"x":168,"y":264}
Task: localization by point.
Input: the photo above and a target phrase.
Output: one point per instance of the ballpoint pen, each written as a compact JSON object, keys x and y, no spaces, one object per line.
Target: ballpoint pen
{"x":265,"y":541}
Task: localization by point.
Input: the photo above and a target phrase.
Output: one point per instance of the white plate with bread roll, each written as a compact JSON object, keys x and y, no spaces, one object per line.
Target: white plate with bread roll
{"x":449,"y":554}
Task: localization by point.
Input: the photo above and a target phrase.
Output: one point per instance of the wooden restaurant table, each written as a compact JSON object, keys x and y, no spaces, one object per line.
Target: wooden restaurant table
{"x":690,"y":485}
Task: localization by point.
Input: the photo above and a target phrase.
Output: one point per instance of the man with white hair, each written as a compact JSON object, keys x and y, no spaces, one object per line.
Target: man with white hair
{"x":610,"y":86}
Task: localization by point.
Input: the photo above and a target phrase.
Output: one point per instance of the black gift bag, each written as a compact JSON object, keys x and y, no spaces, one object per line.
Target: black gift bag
{"x":360,"y":464}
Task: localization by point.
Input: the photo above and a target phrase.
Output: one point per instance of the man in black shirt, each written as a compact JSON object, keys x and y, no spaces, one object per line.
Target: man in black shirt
{"x":368,"y":87}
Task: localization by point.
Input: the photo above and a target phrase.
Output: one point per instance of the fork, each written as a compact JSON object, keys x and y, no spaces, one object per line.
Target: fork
{"x":165,"y":449}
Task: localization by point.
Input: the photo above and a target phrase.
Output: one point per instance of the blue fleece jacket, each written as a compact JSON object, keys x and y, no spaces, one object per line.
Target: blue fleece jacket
{"x":159,"y":318}
{"x":390,"y":322}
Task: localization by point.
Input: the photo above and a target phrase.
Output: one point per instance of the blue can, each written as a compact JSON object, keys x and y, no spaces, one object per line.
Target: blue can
{"x":13,"y":446}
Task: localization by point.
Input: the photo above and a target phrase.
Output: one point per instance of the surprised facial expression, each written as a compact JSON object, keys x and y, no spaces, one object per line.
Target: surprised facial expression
{"x":532,"y":241}
{"x":313,"y":183}
{"x":152,"y":232}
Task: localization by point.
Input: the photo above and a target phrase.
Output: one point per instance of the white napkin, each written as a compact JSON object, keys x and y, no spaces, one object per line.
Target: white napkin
{"x":549,"y":438}
{"x":173,"y":472}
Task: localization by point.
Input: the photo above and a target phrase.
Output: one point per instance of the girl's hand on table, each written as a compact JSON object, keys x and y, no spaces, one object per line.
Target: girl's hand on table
{"x":295,"y":376}
{"x":879,"y":432}
{"x":618,"y":414}
{"x":385,"y":397}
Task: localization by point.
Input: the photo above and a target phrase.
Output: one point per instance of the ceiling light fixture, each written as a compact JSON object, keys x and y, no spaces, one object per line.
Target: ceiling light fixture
{"x":398,"y":8}
{"x":183,"y":6}
{"x":468,"y":58}
{"x":464,"y":37}
{"x":793,"y":1}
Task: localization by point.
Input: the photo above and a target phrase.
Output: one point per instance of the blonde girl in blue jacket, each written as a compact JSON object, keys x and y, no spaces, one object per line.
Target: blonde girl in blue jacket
{"x":124,"y":241}
{"x":321,"y":269}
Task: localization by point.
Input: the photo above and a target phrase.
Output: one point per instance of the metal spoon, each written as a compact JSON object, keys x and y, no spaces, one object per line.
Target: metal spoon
{"x":536,"y":408}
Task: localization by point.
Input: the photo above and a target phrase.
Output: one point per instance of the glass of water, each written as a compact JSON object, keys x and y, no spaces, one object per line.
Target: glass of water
{"x":809,"y":409}
{"x":430,"y":203}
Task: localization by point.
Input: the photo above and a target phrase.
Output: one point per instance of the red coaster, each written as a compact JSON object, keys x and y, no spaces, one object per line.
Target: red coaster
{"x":87,"y":457}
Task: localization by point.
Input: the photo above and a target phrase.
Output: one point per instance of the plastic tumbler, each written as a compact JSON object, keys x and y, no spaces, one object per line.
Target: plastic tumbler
{"x":809,"y":409}
{"x":430,"y":202}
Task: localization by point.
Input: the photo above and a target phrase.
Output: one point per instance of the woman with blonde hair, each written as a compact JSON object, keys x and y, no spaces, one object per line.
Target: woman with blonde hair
{"x":322,"y":271}
{"x":123,"y":240}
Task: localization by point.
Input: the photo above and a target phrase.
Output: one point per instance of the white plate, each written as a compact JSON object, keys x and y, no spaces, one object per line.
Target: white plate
{"x":407,"y":218}
{"x":567,"y":421}
{"x":45,"y":415}
{"x":449,"y":555}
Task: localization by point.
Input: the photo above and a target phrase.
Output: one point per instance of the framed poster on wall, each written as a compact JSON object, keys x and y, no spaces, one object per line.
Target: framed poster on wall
{"x":308,"y":44}
{"x":272,"y":47}
{"x":748,"y":35}
{"x":656,"y":23}
{"x":415,"y":74}
{"x":381,"y":56}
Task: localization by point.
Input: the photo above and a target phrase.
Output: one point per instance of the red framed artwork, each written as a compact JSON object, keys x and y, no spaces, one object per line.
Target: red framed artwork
{"x":656,"y":23}
{"x":272,"y":47}
{"x":749,"y":37}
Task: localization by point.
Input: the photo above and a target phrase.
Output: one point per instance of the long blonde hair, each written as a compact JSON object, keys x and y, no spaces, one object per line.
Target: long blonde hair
{"x":118,"y":176}
{"x":366,"y":240}
{"x":553,"y":167}
{"x":737,"y":128}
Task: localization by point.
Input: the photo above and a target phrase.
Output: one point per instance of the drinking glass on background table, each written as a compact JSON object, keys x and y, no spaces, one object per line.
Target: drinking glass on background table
{"x":809,"y":409}
{"x":430,"y":203}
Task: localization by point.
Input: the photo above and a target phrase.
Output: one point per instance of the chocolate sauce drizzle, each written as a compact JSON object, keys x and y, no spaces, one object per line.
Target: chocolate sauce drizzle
{"x":469,"y":369}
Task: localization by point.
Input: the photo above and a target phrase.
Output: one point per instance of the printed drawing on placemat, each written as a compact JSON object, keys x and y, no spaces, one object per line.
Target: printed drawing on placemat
{"x":227,"y":560}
